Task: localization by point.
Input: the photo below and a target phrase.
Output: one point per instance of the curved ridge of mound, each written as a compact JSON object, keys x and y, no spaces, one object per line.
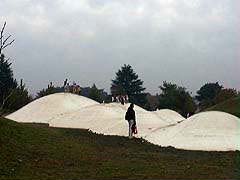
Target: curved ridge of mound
{"x":169,"y":116}
{"x":108,"y":119}
{"x":97,"y":118}
{"x":210,"y":131}
{"x":124,"y":107}
{"x":46,"y":108}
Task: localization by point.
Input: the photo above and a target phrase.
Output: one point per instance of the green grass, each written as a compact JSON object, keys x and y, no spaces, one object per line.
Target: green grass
{"x":231,"y":106}
{"x":36,"y":151}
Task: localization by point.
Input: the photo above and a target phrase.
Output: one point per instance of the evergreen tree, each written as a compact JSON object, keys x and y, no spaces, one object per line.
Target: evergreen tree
{"x":127,"y":82}
{"x":19,"y":98}
{"x":7,"y":82}
{"x":95,"y":94}
{"x":152,"y":102}
{"x":12,"y":96}
{"x":225,"y":94}
{"x":51,"y":89}
{"x":207,"y":93}
{"x":176,"y":98}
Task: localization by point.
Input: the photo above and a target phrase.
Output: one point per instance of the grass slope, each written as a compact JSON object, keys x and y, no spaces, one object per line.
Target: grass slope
{"x":231,"y":106}
{"x":33,"y":151}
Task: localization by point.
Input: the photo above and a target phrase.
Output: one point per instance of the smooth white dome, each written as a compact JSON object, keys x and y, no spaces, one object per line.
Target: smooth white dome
{"x":211,"y":131}
{"x":48,"y":107}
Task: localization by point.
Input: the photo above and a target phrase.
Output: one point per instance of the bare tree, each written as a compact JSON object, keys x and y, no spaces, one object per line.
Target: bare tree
{"x":4,"y":42}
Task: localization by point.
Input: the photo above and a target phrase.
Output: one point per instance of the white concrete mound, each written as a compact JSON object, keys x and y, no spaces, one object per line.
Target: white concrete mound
{"x":97,"y":118}
{"x":108,"y":119}
{"x":169,"y":116}
{"x":210,"y":131}
{"x":48,"y":107}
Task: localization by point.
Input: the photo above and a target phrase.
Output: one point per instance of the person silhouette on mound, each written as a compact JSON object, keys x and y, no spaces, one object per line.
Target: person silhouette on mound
{"x":131,"y":118}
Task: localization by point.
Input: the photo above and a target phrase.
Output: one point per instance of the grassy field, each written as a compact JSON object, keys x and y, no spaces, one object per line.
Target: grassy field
{"x":35,"y":151}
{"x":231,"y":106}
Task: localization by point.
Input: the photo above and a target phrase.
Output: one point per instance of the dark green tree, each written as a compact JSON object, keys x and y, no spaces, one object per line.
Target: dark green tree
{"x":49,"y":90}
{"x":19,"y":98}
{"x":95,"y":94}
{"x":176,"y":98}
{"x":225,"y":94}
{"x":152,"y":102}
{"x":7,"y":81}
{"x":128,"y":83}
{"x":12,"y":96}
{"x":207,"y":93}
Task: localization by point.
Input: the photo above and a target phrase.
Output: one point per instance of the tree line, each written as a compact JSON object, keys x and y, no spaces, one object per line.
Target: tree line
{"x":171,"y":96}
{"x":14,"y":95}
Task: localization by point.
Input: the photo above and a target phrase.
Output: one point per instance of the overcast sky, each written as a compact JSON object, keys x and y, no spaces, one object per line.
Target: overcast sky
{"x":188,"y":42}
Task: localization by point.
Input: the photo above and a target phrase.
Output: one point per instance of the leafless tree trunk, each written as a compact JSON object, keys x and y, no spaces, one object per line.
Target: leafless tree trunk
{"x":4,"y":42}
{"x":4,"y":101}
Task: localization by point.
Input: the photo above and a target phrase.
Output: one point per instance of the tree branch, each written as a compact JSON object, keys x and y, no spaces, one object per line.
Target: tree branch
{"x":4,"y":25}
{"x":8,"y":44}
{"x":6,"y":39}
{"x":2,"y":32}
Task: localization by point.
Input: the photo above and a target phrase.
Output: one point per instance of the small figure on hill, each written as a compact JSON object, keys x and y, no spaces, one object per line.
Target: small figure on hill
{"x":117,"y":99}
{"x":122,"y":100}
{"x":131,"y":118}
{"x":126,"y":98}
{"x":65,"y":85}
{"x":74,"y":87}
{"x":65,"y":82}
{"x":67,"y":88}
{"x":78,"y":89}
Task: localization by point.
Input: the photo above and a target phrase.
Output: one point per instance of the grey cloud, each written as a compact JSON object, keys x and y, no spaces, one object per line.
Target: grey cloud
{"x":187,"y":42}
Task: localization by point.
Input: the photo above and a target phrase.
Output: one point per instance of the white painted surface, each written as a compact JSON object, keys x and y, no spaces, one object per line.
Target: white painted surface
{"x":211,"y":131}
{"x":44,"y":109}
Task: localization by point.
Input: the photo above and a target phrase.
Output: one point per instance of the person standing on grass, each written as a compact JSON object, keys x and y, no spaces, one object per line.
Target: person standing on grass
{"x":131,"y":118}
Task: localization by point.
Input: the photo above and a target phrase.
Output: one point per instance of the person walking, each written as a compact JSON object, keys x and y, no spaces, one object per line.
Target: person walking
{"x":131,"y":118}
